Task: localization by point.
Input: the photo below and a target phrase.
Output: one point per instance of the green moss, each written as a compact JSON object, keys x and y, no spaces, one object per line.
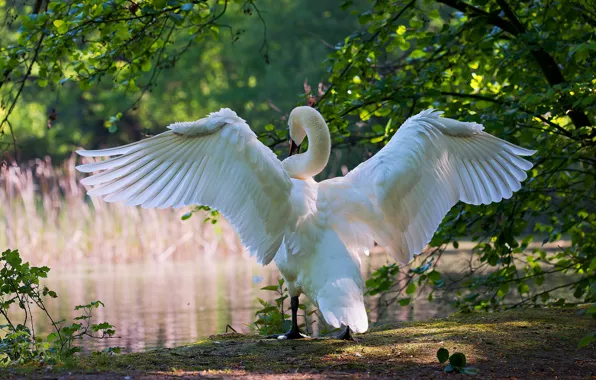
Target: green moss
{"x":533,"y":342}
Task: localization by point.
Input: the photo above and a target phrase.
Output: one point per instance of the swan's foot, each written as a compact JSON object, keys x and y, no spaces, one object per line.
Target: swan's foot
{"x":345,"y":334}
{"x":289,"y":335}
{"x":294,"y":332}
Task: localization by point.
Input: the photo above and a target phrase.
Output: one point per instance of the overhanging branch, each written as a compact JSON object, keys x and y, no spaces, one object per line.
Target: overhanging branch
{"x":545,"y":61}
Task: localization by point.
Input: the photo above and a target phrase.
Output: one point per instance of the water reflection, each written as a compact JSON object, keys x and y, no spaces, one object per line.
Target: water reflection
{"x":174,"y":303}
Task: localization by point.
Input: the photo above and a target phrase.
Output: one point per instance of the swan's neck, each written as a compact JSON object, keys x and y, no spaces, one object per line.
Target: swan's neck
{"x":313,"y":161}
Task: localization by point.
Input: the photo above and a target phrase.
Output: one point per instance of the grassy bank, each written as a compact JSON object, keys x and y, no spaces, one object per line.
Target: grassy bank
{"x":513,"y":344}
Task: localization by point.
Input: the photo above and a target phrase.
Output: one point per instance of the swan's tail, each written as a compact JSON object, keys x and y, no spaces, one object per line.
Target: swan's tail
{"x":341,"y":303}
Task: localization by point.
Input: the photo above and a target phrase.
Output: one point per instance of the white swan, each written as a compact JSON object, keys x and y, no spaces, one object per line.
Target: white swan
{"x":315,"y":231}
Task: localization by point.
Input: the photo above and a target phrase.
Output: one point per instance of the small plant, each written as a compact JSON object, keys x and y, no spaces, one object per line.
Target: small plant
{"x":20,"y":287}
{"x":211,"y":217}
{"x":274,"y":318}
{"x":457,"y":362}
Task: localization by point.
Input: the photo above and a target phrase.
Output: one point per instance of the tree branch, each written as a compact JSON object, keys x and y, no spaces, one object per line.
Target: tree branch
{"x":20,"y":90}
{"x":37,"y":7}
{"x":371,"y":39}
{"x":504,"y":102}
{"x":545,"y":61}
{"x":476,"y":12}
{"x":549,"y":68}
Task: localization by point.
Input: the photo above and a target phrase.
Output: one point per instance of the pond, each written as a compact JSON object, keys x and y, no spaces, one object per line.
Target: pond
{"x":174,"y":303}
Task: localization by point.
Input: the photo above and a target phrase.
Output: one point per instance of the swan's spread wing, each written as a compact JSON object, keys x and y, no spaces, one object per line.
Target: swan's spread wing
{"x":429,"y":165}
{"x":216,"y":161}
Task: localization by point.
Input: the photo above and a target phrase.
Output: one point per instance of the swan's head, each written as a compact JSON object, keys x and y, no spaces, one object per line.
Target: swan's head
{"x":296,"y":128}
{"x":303,"y":122}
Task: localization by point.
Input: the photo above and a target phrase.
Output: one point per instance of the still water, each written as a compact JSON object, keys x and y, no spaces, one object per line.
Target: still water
{"x":174,"y":303}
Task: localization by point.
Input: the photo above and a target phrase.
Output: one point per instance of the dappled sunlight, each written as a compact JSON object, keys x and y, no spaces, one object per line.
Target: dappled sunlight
{"x":380,"y":353}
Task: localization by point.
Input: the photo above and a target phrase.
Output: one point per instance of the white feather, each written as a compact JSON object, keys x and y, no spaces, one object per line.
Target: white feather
{"x":426,"y":168}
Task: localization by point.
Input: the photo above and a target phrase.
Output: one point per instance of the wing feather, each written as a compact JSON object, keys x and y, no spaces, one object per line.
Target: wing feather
{"x":426,"y":168}
{"x":216,"y":161}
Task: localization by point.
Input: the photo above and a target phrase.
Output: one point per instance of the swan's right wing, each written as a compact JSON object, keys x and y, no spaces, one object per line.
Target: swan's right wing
{"x":429,"y":165}
{"x":216,"y":161}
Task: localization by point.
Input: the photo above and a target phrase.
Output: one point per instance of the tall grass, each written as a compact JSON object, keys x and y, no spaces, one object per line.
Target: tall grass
{"x":46,"y":214}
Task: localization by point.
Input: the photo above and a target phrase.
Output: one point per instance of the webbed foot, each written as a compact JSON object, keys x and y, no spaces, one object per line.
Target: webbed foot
{"x":294,"y":332}
{"x":345,"y":334}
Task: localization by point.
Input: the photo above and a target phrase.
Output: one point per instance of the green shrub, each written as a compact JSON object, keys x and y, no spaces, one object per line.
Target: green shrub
{"x":20,"y":287}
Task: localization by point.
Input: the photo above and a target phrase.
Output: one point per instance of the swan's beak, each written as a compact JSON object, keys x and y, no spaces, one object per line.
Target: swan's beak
{"x":294,"y":148}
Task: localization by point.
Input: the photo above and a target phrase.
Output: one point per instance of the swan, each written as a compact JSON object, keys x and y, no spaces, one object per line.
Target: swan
{"x":315,"y":231}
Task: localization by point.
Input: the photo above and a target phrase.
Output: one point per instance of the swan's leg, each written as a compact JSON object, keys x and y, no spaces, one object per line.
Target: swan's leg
{"x":345,"y":334}
{"x":294,"y":332}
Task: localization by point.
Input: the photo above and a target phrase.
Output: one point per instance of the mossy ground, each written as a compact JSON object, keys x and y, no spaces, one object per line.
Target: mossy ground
{"x":515,"y":344}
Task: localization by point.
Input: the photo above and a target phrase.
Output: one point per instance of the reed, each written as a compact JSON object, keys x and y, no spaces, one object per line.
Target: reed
{"x":46,"y":214}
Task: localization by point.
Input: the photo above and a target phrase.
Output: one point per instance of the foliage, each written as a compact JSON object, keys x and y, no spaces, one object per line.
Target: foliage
{"x":20,"y":286}
{"x":457,"y":362}
{"x":119,"y":70}
{"x":88,"y":42}
{"x":211,"y":214}
{"x":382,"y":280}
{"x":525,"y":70}
{"x":274,"y":318}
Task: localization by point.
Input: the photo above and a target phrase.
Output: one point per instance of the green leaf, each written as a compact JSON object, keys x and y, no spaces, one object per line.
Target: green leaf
{"x":457,"y":360}
{"x":443,"y":355}
{"x":271,"y":287}
{"x":434,"y":14}
{"x":61,"y":26}
{"x":411,"y":288}
{"x":365,"y":18}
{"x":404,"y":45}
{"x":523,"y":288}
{"x":416,"y":54}
{"x":146,"y":65}
{"x":587,"y":340}
{"x":434,"y":276}
{"x":404,"y":301}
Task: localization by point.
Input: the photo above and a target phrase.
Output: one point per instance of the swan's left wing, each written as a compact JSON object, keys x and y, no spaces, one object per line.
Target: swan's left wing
{"x":429,"y":165}
{"x":216,"y":161}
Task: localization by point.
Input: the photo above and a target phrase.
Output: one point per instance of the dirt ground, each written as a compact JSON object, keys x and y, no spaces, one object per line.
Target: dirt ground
{"x":536,"y":344}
